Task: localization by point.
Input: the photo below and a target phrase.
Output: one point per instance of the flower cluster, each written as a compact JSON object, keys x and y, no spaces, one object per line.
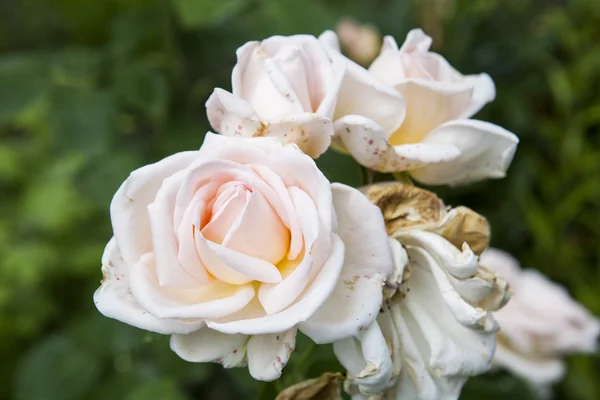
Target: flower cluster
{"x":234,"y":248}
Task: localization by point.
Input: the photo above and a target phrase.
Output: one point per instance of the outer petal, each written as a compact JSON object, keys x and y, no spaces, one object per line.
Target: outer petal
{"x":268,"y":354}
{"x":355,"y":302}
{"x":367,"y":359}
{"x":540,"y":371}
{"x":311,"y":132}
{"x":206,"y":345}
{"x":486,"y":151}
{"x":232,"y":116}
{"x":484,"y":91}
{"x":368,"y":144}
{"x":128,"y":212}
{"x":114,"y":298}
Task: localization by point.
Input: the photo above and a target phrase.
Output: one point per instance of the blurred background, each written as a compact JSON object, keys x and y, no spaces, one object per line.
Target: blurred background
{"x":90,"y":90}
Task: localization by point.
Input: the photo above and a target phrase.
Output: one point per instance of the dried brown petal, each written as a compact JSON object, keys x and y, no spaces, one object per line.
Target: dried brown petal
{"x":406,"y":206}
{"x":463,"y":225}
{"x":325,"y":387}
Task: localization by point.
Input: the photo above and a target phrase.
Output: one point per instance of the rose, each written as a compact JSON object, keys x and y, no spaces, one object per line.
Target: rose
{"x":540,"y":324}
{"x":435,"y":328}
{"x":435,"y":141}
{"x":234,"y":247}
{"x":286,"y":87}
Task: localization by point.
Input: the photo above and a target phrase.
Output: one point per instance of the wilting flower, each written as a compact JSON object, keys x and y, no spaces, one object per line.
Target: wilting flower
{"x":435,"y":328}
{"x":540,"y":325}
{"x":284,"y":87}
{"x":433,"y":137}
{"x":233,"y":248}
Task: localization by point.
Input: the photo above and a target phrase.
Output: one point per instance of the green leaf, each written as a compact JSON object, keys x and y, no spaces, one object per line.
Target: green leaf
{"x":199,"y":13}
{"x":22,"y":80}
{"x":82,"y":120}
{"x":56,"y":369}
{"x":164,"y":389}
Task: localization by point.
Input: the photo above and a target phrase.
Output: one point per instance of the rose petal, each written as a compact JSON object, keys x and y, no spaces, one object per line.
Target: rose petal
{"x":268,"y":354}
{"x":368,"y":144}
{"x":305,"y":306}
{"x":539,"y":371}
{"x":363,"y":94}
{"x":258,"y":232}
{"x":206,"y":345}
{"x":264,"y":85}
{"x":169,"y":270}
{"x":129,"y":215}
{"x":428,"y":105}
{"x":214,"y":300}
{"x":233,"y":267}
{"x":311,"y":132}
{"x":367,"y":359}
{"x":114,"y":298}
{"x":388,"y":65}
{"x":486,"y":151}
{"x":356,"y":300}
{"x":231,"y":116}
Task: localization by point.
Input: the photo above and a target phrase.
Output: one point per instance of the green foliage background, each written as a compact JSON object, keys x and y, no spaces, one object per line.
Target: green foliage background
{"x":90,"y":90}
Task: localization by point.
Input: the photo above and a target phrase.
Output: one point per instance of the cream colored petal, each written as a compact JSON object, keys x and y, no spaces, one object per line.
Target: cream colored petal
{"x":206,"y":345}
{"x":486,"y":151}
{"x":268,"y":354}
{"x":114,"y":298}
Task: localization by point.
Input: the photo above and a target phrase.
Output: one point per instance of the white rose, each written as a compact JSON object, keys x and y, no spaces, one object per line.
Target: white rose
{"x":233,"y":248}
{"x":540,"y":324}
{"x":285,"y":87}
{"x":436,"y":330}
{"x":434,"y":141}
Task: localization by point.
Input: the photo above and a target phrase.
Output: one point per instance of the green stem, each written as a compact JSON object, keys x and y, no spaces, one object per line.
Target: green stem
{"x":403,"y":177}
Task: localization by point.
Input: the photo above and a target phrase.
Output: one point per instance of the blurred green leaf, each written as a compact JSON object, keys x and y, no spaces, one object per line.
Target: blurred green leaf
{"x":165,"y":389}
{"x":82,"y":120}
{"x":196,"y":14}
{"x":55,"y":369}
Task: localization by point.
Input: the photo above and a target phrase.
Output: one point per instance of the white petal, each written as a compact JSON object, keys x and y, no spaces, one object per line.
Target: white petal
{"x":305,"y":306}
{"x":367,"y":359}
{"x":234,"y":267}
{"x":206,"y":345}
{"x":356,"y":300}
{"x":361,"y":93}
{"x":484,"y":91}
{"x":231,"y":116}
{"x":268,"y":354}
{"x":416,"y":40}
{"x":258,"y":232}
{"x":486,"y":151}
{"x":114,"y":298}
{"x":537,"y":371}
{"x":388,"y":65}
{"x":311,"y":132}
{"x":265,"y":86}
{"x":368,"y":144}
{"x":428,"y":105}
{"x":129,"y":215}
{"x":169,"y":270}
{"x":214,"y":300}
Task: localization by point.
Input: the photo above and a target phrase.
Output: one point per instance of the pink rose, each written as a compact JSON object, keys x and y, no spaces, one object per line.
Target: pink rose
{"x":284,"y":87}
{"x":540,"y":324}
{"x":234,"y":247}
{"x":429,"y":134}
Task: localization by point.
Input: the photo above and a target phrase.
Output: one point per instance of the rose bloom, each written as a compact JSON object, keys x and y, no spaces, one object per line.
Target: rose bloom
{"x":233,"y":248}
{"x":540,"y":324}
{"x":435,"y":328}
{"x":285,"y":87}
{"x":430,"y":135}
